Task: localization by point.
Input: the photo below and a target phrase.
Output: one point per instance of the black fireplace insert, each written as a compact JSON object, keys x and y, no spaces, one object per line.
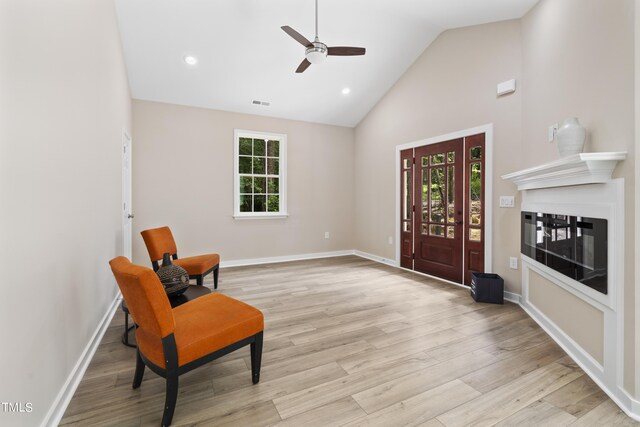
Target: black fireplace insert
{"x":575,"y":246}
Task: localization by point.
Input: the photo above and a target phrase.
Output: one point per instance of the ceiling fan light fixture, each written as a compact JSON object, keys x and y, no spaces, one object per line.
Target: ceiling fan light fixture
{"x":317,"y":53}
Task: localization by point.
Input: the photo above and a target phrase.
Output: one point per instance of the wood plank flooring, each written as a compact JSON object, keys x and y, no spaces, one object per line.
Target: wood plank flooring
{"x":352,"y":342}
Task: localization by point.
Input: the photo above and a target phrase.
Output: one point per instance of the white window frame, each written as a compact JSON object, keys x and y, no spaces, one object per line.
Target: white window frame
{"x":282,"y":138}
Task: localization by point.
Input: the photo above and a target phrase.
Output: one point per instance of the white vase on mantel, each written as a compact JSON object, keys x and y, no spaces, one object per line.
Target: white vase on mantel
{"x":570,"y":137}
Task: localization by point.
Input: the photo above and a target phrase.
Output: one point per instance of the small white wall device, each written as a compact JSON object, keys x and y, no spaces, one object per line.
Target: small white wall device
{"x":507,"y":87}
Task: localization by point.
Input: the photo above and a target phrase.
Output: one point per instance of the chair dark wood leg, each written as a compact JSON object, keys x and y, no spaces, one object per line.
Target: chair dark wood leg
{"x":215,"y":277}
{"x":171,"y":366}
{"x":170,"y":399}
{"x":137,"y":377}
{"x":127,"y":329}
{"x":256,"y":358}
{"x":199,"y":280}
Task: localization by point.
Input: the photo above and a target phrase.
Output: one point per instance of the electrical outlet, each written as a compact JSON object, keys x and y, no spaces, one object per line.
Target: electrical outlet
{"x":326,"y":234}
{"x":507,"y":202}
{"x":513,"y":263}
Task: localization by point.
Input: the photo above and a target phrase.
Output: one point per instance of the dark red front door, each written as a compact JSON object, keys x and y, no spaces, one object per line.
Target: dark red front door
{"x":438,"y":219}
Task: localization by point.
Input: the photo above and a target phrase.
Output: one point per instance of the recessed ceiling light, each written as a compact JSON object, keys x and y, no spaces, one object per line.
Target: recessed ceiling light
{"x":346,"y":91}
{"x":191,"y":60}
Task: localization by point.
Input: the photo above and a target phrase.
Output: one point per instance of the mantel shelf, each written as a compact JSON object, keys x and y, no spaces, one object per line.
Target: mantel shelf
{"x":583,"y":168}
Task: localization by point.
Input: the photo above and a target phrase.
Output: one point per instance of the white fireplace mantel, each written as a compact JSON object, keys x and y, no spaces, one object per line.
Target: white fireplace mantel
{"x":583,"y":168}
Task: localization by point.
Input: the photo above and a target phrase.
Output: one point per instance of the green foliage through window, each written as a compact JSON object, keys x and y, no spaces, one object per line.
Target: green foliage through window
{"x":259,"y":187}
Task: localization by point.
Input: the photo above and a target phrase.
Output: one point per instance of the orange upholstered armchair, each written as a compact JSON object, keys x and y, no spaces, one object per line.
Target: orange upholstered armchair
{"x":160,"y":241}
{"x":172,"y":342}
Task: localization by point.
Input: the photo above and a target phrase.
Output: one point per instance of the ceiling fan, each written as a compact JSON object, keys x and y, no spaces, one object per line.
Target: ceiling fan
{"x":317,"y":51}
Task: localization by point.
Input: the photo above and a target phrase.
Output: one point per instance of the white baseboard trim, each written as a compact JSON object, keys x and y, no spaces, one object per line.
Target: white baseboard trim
{"x":285,"y":258}
{"x":302,"y":257}
{"x":590,"y":366}
{"x":573,"y":349}
{"x":634,"y":406}
{"x":512,"y":297}
{"x":59,"y":406}
{"x":376,"y":258}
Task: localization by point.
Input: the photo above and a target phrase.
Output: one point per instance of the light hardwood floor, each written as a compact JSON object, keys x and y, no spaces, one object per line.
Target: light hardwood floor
{"x":352,"y":342}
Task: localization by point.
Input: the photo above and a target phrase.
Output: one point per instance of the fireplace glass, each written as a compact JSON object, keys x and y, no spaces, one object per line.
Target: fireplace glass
{"x":575,"y":246}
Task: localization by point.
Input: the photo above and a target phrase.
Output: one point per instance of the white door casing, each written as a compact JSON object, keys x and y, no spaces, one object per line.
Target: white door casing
{"x":488,"y":182}
{"x":127,"y":213}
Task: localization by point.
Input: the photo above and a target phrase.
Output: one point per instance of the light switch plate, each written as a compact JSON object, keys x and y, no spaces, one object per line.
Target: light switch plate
{"x":507,"y":201}
{"x":513,"y":263}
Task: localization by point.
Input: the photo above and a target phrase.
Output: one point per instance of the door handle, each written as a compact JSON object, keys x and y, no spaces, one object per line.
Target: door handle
{"x":130,"y":216}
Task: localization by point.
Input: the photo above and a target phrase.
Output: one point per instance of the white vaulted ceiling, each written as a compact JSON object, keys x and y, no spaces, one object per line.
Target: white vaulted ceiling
{"x":243,"y":55}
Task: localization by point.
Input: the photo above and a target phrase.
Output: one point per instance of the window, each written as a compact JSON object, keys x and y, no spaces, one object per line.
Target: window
{"x":260,"y":171}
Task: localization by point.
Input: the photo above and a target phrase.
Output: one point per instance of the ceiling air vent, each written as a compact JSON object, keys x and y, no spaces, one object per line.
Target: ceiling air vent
{"x":263,"y":103}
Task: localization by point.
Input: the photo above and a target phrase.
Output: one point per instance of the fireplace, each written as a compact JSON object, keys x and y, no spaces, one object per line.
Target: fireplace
{"x":572,"y":243}
{"x":575,"y":246}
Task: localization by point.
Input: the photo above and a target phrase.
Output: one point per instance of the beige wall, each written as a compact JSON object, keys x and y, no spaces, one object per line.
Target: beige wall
{"x":64,"y":102}
{"x":578,"y":60}
{"x":553,"y":301}
{"x":451,"y":87}
{"x":183,"y":177}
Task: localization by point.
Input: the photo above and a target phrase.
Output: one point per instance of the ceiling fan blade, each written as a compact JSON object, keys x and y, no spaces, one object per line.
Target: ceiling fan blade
{"x":297,"y":36}
{"x":346,"y":51}
{"x":303,"y":65}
